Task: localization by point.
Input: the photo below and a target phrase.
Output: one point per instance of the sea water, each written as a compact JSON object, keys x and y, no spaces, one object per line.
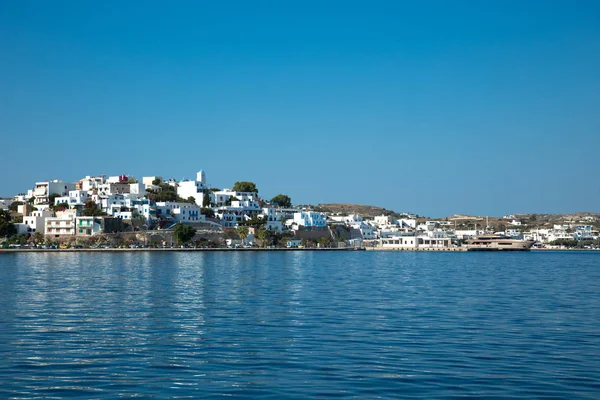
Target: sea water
{"x":300,"y":325}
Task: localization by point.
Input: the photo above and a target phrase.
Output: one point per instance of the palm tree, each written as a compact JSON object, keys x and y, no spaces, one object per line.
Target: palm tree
{"x":243,"y":232}
{"x":37,"y":238}
{"x":262,"y":234}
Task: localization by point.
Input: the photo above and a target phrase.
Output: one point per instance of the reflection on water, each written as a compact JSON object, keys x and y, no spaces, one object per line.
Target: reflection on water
{"x":299,"y":324}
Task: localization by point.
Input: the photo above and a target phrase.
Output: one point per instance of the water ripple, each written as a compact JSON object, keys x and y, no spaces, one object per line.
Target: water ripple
{"x":300,"y":324}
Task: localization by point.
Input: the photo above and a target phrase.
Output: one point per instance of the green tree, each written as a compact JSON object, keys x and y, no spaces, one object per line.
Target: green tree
{"x":533,"y":217}
{"x":60,"y":207}
{"x":135,"y":215}
{"x":7,"y":228}
{"x":21,"y":238}
{"x":157,"y":181}
{"x":324,"y":242}
{"x":52,"y":197}
{"x":206,"y":200}
{"x":263,"y":235}
{"x":90,"y":209}
{"x":207,"y":212}
{"x":191,"y":200}
{"x":282,"y":200}
{"x":255,"y":222}
{"x":183,"y":233}
{"x":244,"y":186}
{"x":38,"y":238}
{"x":14,"y":206}
{"x":243,"y":232}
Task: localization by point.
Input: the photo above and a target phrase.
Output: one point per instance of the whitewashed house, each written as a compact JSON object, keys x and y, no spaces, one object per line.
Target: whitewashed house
{"x":89,"y":183}
{"x":195,"y":189}
{"x":367,"y":231}
{"x":35,"y":222}
{"x":179,"y":212}
{"x":309,"y":220}
{"x":43,"y":190}
{"x":384,"y":220}
{"x":137,"y":189}
{"x":272,"y":218}
{"x":559,"y":232}
{"x":74,"y":198}
{"x":433,"y":239}
{"x":399,"y":242}
{"x":106,"y":189}
{"x":112,"y":204}
{"x":584,"y":232}
{"x":239,"y":210}
{"x":61,"y":225}
{"x":88,"y":226}
{"x":225,"y":196}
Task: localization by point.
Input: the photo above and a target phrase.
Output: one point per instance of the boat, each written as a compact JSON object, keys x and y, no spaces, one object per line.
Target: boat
{"x":497,"y":243}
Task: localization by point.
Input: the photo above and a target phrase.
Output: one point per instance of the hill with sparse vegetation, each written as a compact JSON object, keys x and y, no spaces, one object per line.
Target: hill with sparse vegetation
{"x":360,"y":209}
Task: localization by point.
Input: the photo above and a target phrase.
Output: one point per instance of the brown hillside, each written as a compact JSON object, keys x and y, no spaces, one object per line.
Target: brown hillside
{"x":364,"y":210}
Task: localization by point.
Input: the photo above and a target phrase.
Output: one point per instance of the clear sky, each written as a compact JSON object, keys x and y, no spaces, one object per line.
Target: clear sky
{"x":433,"y":107}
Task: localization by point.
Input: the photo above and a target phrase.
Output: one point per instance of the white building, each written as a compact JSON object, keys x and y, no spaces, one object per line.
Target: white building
{"x":538,"y":235}
{"x":272,"y":219}
{"x":310,"y":220}
{"x":43,"y":190}
{"x":112,"y":204}
{"x":400,"y":242}
{"x":242,"y":209}
{"x":109,"y":188}
{"x":407,"y":223}
{"x":147,"y":180}
{"x":427,"y":240}
{"x":367,"y":231}
{"x":119,"y":179}
{"x":74,"y":198}
{"x":195,"y":189}
{"x":434,"y":239}
{"x":137,"y":188}
{"x":225,"y":196}
{"x":88,"y":226}
{"x":179,"y":212}
{"x":90,"y":183}
{"x":35,"y":222}
{"x":61,"y":225}
{"x":584,"y":232}
{"x":559,"y":232}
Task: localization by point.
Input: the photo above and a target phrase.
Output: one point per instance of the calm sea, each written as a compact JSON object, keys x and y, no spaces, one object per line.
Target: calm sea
{"x":300,"y":325}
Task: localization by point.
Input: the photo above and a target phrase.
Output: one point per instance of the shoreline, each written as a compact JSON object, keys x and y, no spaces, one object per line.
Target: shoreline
{"x":160,"y":249}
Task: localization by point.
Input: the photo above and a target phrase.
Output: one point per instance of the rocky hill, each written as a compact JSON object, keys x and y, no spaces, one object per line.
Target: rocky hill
{"x":364,"y":210}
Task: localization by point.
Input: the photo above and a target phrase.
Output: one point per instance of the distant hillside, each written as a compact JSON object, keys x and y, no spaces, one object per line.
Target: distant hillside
{"x":364,"y":210}
{"x":528,"y":221}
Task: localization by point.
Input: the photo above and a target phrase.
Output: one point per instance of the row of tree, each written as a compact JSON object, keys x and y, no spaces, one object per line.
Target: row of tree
{"x":574,"y":243}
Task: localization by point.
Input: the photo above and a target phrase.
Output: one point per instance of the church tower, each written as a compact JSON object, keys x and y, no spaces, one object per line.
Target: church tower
{"x":201,"y":177}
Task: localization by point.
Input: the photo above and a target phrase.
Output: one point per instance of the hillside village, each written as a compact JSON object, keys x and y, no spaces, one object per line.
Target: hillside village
{"x":99,"y":211}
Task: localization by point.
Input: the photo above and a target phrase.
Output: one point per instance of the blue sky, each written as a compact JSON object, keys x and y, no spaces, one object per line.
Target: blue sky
{"x":433,"y":107}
